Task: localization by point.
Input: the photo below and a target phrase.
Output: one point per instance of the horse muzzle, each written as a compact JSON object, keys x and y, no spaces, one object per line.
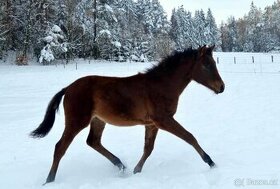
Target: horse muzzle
{"x":218,"y":87}
{"x":222,"y":88}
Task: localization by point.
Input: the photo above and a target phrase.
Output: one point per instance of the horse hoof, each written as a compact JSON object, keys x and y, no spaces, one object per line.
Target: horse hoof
{"x":137,"y":170}
{"x":47,"y":182}
{"x":121,"y":167}
{"x":212,"y":165}
{"x":51,"y":178}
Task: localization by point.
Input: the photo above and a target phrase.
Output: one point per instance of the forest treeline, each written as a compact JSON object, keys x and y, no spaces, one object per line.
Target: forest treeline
{"x":124,"y":30}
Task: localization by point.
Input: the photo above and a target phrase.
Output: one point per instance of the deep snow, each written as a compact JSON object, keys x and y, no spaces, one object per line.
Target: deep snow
{"x":239,"y":129}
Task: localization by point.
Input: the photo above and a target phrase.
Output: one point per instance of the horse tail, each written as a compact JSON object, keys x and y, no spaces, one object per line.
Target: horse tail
{"x":47,"y":124}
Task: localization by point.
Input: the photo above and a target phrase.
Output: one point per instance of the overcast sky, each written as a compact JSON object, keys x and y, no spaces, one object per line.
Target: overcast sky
{"x":221,"y":9}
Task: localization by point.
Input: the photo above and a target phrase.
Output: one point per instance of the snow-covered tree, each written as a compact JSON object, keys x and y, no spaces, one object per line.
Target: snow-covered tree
{"x":200,"y":28}
{"x":160,"y":41}
{"x":255,"y":24}
{"x":211,"y":30}
{"x":105,"y":24}
{"x":54,"y":45}
{"x":258,"y":31}
{"x":128,"y":29}
{"x":182,"y":28}
{"x":271,"y":27}
{"x":5,"y":26}
{"x":229,"y":36}
{"x":160,"y":25}
{"x":44,"y":14}
{"x":84,"y":20}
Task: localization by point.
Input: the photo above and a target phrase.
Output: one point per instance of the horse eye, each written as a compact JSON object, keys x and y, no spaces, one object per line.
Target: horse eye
{"x":207,"y":66}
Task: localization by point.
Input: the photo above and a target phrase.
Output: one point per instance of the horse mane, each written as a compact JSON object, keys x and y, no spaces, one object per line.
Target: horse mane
{"x":170,"y":63}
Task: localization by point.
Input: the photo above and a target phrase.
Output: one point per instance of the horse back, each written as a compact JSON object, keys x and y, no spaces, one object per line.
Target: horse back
{"x":118,"y":101}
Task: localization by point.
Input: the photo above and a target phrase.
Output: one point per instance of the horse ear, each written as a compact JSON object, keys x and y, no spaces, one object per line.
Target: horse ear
{"x":202,"y":50}
{"x":212,"y":47}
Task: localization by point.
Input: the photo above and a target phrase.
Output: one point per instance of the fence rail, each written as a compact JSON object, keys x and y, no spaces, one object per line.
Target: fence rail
{"x":248,"y":62}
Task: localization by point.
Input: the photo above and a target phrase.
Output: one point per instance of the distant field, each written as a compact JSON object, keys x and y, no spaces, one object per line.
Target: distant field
{"x":239,"y":129}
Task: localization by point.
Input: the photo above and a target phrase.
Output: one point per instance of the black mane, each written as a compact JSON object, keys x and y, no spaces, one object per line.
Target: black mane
{"x":171,"y":62}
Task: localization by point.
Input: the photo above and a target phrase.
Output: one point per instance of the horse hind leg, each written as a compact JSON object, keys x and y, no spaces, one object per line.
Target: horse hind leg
{"x":70,"y":131}
{"x":94,"y":140}
{"x":150,"y":136}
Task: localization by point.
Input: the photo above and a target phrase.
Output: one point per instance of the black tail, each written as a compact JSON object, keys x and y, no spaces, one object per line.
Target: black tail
{"x":47,"y":124}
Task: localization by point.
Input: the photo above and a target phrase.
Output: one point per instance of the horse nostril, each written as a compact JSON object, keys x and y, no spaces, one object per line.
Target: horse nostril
{"x":222,"y":88}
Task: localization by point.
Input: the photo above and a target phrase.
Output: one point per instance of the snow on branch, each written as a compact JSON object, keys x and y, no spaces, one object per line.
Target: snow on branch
{"x":46,"y":54}
{"x":54,"y":39}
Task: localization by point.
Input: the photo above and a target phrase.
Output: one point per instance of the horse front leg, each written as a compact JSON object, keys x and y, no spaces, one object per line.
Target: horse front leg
{"x":150,"y":136}
{"x":171,"y":125}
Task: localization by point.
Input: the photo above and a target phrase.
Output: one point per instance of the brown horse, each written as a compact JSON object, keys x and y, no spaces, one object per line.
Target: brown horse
{"x":149,"y":99}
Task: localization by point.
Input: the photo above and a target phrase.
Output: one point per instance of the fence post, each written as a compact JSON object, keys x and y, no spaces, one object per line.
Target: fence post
{"x":253,"y":60}
{"x":234,"y":60}
{"x":272,"y":58}
{"x":217,"y":60}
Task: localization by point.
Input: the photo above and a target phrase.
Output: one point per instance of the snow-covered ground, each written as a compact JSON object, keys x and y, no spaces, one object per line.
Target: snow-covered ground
{"x":239,"y":129}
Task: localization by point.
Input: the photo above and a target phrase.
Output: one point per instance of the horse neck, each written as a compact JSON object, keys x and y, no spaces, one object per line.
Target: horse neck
{"x":181,"y":77}
{"x":177,"y":80}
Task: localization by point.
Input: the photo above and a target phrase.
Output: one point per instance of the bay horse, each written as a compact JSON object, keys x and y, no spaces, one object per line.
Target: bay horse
{"x":149,"y":98}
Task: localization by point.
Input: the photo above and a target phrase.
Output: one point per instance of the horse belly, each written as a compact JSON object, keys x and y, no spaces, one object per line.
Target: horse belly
{"x":118,"y":121}
{"x":121,"y":115}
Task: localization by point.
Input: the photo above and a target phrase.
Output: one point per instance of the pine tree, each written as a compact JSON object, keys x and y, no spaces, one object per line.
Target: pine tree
{"x":106,"y":36}
{"x":44,"y":18}
{"x":254,"y":21}
{"x":84,"y":19}
{"x":144,"y":8}
{"x":233,"y":35}
{"x":174,"y":28}
{"x":54,"y":45}
{"x":160,"y":43}
{"x":271,"y":27}
{"x":71,"y":28}
{"x":159,"y":21}
{"x":6,"y":26}
{"x":127,"y":28}
{"x":182,"y":29}
{"x":257,"y":32}
{"x":212,"y":32}
{"x":200,"y":28}
{"x":242,"y":34}
{"x":26,"y":20}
